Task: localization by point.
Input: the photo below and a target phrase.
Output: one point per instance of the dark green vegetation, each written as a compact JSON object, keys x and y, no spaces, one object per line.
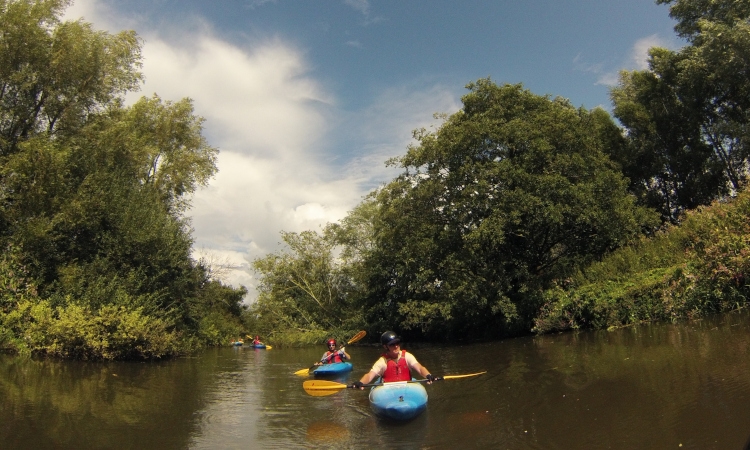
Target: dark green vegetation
{"x":95,"y":246}
{"x":520,"y":213}
{"x":523,"y":213}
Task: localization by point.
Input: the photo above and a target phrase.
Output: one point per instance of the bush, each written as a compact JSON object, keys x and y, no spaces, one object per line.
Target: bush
{"x":698,"y":268}
{"x":74,"y":331}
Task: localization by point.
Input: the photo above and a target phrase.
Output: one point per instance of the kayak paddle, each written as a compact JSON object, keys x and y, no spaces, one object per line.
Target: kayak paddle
{"x":268,"y":347}
{"x":322,"y":388}
{"x":357,"y":337}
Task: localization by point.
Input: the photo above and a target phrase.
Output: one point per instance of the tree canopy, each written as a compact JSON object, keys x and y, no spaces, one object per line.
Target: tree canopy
{"x":92,"y":196}
{"x":687,"y":114}
{"x":510,"y":193}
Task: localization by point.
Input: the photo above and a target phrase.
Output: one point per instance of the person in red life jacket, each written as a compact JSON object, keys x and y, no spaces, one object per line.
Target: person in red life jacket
{"x":333,"y":355}
{"x":257,"y":341}
{"x":394,"y":365}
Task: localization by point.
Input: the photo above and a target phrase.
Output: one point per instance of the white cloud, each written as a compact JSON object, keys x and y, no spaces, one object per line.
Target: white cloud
{"x":639,"y":52}
{"x":362,"y":6}
{"x":289,"y":158}
{"x":637,"y":59}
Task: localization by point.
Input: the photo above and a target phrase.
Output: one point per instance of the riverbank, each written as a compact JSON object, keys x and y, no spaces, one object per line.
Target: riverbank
{"x":689,"y":271}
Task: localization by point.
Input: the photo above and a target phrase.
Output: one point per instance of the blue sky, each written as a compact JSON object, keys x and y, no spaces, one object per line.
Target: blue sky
{"x":307,"y":99}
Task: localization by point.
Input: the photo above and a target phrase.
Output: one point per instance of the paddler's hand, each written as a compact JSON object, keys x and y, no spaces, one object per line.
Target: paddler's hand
{"x":429,"y":378}
{"x":356,"y":385}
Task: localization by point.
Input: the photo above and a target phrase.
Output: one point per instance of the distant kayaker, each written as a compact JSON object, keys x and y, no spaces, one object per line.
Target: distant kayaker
{"x":394,"y":365}
{"x":257,"y":340}
{"x":333,"y":355}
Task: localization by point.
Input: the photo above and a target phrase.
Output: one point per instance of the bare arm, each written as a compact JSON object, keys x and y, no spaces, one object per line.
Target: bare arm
{"x":368,"y":377}
{"x":415,"y":366}
{"x":422,"y":370}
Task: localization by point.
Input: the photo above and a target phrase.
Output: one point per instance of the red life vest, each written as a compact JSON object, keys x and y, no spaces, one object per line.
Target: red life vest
{"x":333,"y":357}
{"x":396,"y":370}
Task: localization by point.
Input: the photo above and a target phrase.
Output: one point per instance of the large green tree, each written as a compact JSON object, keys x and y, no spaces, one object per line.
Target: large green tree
{"x":305,"y":292}
{"x":53,"y":75}
{"x":510,"y":193}
{"x":93,"y":194}
{"x":687,"y":115}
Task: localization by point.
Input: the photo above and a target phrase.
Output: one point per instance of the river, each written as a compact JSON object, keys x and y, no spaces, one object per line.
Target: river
{"x":656,"y":386}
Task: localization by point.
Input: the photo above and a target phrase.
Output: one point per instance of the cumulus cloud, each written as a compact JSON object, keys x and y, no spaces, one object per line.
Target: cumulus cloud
{"x":290,"y":159}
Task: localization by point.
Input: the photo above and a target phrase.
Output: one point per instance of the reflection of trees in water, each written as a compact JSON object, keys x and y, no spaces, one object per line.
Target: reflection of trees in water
{"x":684,"y":371}
{"x":69,"y":404}
{"x":327,"y":432}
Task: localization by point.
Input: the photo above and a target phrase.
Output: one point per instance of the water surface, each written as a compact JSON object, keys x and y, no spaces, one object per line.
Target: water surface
{"x":684,"y":386}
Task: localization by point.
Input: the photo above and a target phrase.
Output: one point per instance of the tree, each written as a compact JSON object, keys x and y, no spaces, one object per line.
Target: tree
{"x":53,"y":75}
{"x":92,"y":196}
{"x":509,"y":194}
{"x":303,"y":289}
{"x":688,"y":114}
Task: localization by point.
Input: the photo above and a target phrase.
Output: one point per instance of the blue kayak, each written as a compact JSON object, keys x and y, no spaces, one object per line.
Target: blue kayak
{"x":259,"y":345}
{"x":399,"y":401}
{"x":237,"y":344}
{"x":333,"y":369}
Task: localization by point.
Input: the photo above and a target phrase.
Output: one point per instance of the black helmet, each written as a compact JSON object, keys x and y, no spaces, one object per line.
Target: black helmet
{"x":389,"y":337}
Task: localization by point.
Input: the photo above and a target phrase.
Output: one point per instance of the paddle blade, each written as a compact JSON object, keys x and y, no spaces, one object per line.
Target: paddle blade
{"x":451,"y":377}
{"x":302,"y":372}
{"x":322,"y":388}
{"x":268,"y":347}
{"x":357,"y":337}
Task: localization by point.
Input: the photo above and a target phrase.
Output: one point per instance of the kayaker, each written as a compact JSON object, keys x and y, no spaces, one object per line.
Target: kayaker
{"x":332,"y":355}
{"x":393,"y":365}
{"x":257,"y":340}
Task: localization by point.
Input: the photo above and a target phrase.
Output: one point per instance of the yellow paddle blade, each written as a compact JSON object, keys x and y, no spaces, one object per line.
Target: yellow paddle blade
{"x":450,"y":377}
{"x":321,"y":388}
{"x":268,"y":347}
{"x":357,"y":337}
{"x":302,"y":372}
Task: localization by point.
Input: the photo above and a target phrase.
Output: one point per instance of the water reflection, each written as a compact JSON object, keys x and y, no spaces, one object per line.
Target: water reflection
{"x":85,"y":405}
{"x":327,"y":432}
{"x":654,"y":386}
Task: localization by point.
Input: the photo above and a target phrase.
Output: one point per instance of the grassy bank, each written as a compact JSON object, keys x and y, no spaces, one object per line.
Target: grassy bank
{"x":698,"y":268}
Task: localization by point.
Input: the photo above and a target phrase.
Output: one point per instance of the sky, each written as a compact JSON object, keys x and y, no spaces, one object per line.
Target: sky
{"x":306,"y":100}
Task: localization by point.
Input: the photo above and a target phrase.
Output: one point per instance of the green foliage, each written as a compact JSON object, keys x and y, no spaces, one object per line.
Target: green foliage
{"x":692,"y":15}
{"x":92,"y":196}
{"x":511,"y":192}
{"x":164,"y":146}
{"x":687,"y":115}
{"x":304,"y":295}
{"x":73,"y":331}
{"x":686,"y":272}
{"x":54,"y":75}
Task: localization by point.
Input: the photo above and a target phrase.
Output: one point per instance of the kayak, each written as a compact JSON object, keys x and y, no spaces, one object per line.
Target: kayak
{"x":399,"y":401}
{"x":237,"y":344}
{"x":259,"y":345}
{"x":333,"y":369}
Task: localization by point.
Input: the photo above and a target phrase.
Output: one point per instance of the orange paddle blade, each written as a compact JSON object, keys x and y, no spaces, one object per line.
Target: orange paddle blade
{"x":322,"y":388}
{"x":357,"y":337}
